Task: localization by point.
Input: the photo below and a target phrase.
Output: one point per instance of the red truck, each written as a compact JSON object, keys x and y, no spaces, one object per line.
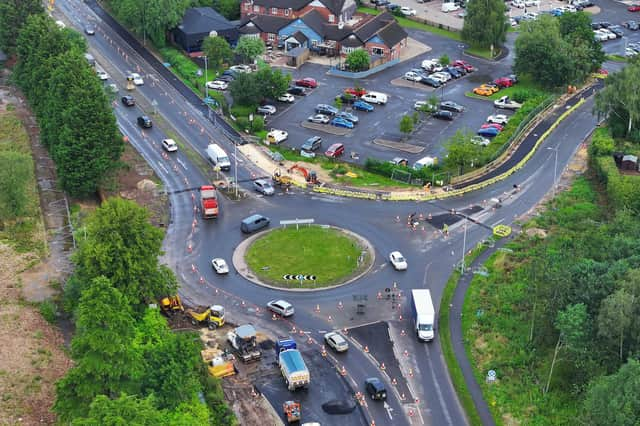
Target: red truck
{"x":209,"y":202}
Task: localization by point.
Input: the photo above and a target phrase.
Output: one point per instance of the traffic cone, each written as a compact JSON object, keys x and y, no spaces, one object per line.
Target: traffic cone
{"x":190,"y":248}
{"x":366,"y":349}
{"x":340,"y":305}
{"x":274,"y":317}
{"x":242,"y":303}
{"x":253,"y":392}
{"x":323,"y":351}
{"x":382,"y":367}
{"x":394,"y":382}
{"x":406,"y":353}
{"x":317,"y":308}
{"x":343,"y":372}
{"x":193,"y":268}
{"x":293,"y":330}
{"x":345,"y":331}
{"x":410,"y":413}
{"x":402,"y":397}
{"x":410,"y":372}
{"x":395,"y":285}
{"x":417,"y":401}
{"x":402,"y":333}
{"x":201,"y":280}
{"x":216,"y":291}
{"x":329,"y":319}
{"x":400,"y":317}
{"x":301,"y":331}
{"x":379,"y":296}
{"x":309,"y":340}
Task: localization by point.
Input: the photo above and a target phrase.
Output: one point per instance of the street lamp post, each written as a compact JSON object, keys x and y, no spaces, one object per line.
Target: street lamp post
{"x":206,"y":77}
{"x":555,"y":168}
{"x":464,"y":245}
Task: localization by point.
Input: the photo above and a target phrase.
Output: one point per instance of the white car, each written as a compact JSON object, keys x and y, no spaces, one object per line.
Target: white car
{"x":137,"y":79}
{"x":219,"y":265}
{"x":319,"y":118}
{"x":217,"y":85}
{"x":102,"y":75}
{"x":441,"y":76}
{"x":281,"y":307}
{"x":629,"y":52}
{"x":169,"y":145}
{"x":518,"y":3}
{"x":266,"y":109}
{"x":412,"y":76}
{"x":375,"y":98}
{"x":407,"y":11}
{"x":398,"y":261}
{"x":241,"y":68}
{"x":599,"y":36}
{"x":498,"y":119}
{"x":61,"y":24}
{"x":610,"y":35}
{"x":420,"y":105}
{"x":450,"y":7}
{"x":286,"y":97}
{"x":336,"y":341}
{"x":531,"y":3}
{"x":276,"y":136}
{"x":479,"y":140}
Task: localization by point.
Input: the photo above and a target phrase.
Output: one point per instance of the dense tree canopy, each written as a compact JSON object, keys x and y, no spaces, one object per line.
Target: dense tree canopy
{"x":13,"y":15}
{"x":249,"y":48}
{"x":217,"y":50}
{"x":461,"y":152}
{"x":266,"y":83}
{"x":150,"y":19}
{"x":485,"y":24}
{"x":620,"y":101}
{"x":358,"y":60}
{"x":230,"y":9}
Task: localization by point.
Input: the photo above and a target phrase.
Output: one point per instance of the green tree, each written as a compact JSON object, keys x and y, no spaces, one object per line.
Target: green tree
{"x":245,"y":90}
{"x":406,"y":125}
{"x":230,"y":9}
{"x":123,"y":246}
{"x":615,"y":318}
{"x":15,"y":170}
{"x":615,"y":399}
{"x":150,"y":19}
{"x":13,"y":15}
{"x":249,"y":48}
{"x":217,"y":50}
{"x":106,"y":363}
{"x":485,"y":24}
{"x":461,"y":152}
{"x":358,"y":60}
{"x":444,"y":60}
{"x":619,"y":101}
{"x":124,"y":410}
{"x":273,"y":83}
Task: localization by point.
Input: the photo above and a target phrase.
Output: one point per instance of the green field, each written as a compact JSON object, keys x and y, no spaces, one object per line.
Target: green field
{"x":327,"y":253}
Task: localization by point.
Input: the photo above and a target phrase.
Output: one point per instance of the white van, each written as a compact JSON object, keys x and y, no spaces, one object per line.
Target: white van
{"x":218,"y":157}
{"x":424,"y":162}
{"x":375,"y":98}
{"x":450,"y":7}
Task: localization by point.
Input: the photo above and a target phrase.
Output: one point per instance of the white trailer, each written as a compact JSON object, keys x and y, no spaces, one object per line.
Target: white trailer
{"x":424,"y":315}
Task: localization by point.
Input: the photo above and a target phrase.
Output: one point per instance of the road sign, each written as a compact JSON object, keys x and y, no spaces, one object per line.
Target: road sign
{"x":501,"y":231}
{"x":491,"y":376}
{"x":299,"y":277}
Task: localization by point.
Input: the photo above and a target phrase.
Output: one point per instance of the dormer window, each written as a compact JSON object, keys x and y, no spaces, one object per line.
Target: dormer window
{"x":274,"y":10}
{"x":256,"y":9}
{"x":332,"y":18}
{"x":287,"y":12}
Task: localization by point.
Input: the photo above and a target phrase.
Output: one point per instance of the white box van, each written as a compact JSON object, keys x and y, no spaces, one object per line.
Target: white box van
{"x":450,"y":7}
{"x":424,"y":162}
{"x":218,"y":157}
{"x":375,"y":98}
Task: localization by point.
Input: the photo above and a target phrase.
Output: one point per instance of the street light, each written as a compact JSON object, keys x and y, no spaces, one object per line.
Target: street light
{"x":206,"y":78}
{"x":464,"y":245}
{"x":555,"y":168}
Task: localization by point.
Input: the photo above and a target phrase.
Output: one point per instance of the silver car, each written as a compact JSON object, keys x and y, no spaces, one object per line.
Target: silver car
{"x":263,"y":186}
{"x":336,"y":342}
{"x":266,"y":109}
{"x":281,"y":307}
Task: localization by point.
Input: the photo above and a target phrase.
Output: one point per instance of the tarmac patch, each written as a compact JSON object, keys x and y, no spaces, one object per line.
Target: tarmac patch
{"x":400,"y":146}
{"x":332,"y":130}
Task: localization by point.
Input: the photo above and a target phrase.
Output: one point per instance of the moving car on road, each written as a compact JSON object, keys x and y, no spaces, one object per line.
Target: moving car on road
{"x":219,"y":265}
{"x":128,"y":100}
{"x":336,"y":342}
{"x":169,"y":145}
{"x":263,"y":186}
{"x":281,"y":307}
{"x":375,"y":388}
{"x":398,"y":261}
{"x":145,"y":122}
{"x":136,"y":78}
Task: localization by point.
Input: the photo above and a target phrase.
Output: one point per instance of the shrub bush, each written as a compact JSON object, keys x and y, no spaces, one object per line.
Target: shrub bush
{"x":258,"y":124}
{"x":602,"y":143}
{"x":49,"y":311}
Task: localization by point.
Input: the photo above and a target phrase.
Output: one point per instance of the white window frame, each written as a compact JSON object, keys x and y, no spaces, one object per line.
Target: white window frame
{"x":287,"y":12}
{"x":247,"y":6}
{"x":256,"y":8}
{"x":377,"y":51}
{"x":332,"y":18}
{"x":274,"y":10}
{"x":271,"y":37}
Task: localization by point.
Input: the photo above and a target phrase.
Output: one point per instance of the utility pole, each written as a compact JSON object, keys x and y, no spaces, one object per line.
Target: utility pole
{"x":206,"y":78}
{"x":555,"y":169}
{"x":464,"y":245}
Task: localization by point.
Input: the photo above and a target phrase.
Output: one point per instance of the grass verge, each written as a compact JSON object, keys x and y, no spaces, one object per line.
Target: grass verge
{"x":408,"y":23}
{"x":483,"y":53}
{"x":327,"y":253}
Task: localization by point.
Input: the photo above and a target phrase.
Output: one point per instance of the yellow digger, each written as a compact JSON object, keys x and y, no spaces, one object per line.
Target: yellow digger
{"x":213,"y":317}
{"x":280,"y":179}
{"x":171,"y":305}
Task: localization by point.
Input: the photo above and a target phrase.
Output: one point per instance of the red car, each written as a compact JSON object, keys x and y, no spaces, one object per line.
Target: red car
{"x":634,"y":8}
{"x":466,"y":65}
{"x":307,"y":82}
{"x":358,"y":91}
{"x":335,"y":150}
{"x":503,"y":82}
{"x":494,"y":125}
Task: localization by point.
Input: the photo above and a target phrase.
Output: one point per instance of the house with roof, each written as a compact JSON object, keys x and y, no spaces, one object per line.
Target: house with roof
{"x":333,"y":11}
{"x":199,"y":23}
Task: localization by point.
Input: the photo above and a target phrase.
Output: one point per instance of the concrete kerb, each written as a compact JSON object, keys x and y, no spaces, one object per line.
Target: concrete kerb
{"x":243,"y":269}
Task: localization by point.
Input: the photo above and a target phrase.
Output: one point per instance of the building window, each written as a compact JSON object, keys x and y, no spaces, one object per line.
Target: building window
{"x":256,"y":9}
{"x":314,"y":43}
{"x":332,"y":18}
{"x":286,"y":12}
{"x":348,"y":49}
{"x":274,"y":10}
{"x":271,"y":37}
{"x":377,"y":51}
{"x":247,"y":6}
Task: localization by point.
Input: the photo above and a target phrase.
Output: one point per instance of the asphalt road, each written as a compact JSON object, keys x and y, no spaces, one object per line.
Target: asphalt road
{"x":191,"y":242}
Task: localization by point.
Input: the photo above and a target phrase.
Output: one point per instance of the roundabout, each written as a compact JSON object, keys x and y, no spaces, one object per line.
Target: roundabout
{"x":307,"y":258}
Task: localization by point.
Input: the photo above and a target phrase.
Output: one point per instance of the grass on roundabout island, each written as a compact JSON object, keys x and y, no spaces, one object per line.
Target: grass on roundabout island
{"x":329,"y":254}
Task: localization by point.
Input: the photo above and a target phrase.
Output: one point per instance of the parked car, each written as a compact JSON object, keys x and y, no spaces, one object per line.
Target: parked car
{"x":145,"y":122}
{"x":241,"y":68}
{"x":634,"y":8}
{"x":375,"y":389}
{"x":266,"y":109}
{"x":500,"y":127}
{"x":441,"y":76}
{"x":335,"y":150}
{"x":341,"y":122}
{"x":531,"y":3}
{"x":398,"y":261}
{"x":307,"y":82}
{"x":297,"y":90}
{"x":466,"y":65}
{"x":355,"y":91}
{"x":375,"y":98}
{"x":219,"y":265}
{"x":346,"y":98}
{"x":498,"y":118}
{"x":281,"y":307}
{"x":348,"y":116}
{"x":453,"y":71}
{"x":319,"y":119}
{"x":488,"y":132}
{"x":617,"y":30}
{"x":503,"y":82}
{"x":443,"y":115}
{"x":424,"y":105}
{"x":276,"y":136}
{"x":631,"y":25}
{"x":362,"y":106}
{"x":451,"y":106}
{"x":336,"y":342}
{"x":326,"y":109}
{"x":263,"y":186}
{"x":482,"y":91}
{"x":479,"y":140}
{"x":393,"y":7}
{"x":407,"y":11}
{"x":169,"y":145}
{"x":518,"y":3}
{"x":412,"y":76}
{"x":231,"y":73}
{"x":217,"y":85}
{"x":286,"y":97}
{"x":310,"y":145}
{"x":431,"y":82}
{"x":128,"y":100}
{"x":225,"y":78}
{"x":102,"y":75}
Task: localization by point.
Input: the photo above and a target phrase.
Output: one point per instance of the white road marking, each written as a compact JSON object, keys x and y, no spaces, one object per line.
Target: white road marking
{"x":389,"y":410}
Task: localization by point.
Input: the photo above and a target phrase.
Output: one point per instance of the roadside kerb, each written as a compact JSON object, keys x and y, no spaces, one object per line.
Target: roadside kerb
{"x":419,"y":197}
{"x":242,"y":268}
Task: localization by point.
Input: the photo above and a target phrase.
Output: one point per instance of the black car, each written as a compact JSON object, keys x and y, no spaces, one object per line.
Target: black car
{"x":347,"y":99}
{"x":462,"y":70}
{"x":451,"y":106}
{"x":375,"y":388}
{"x":393,"y":7}
{"x":312,"y":144}
{"x":128,"y":100}
{"x":226,"y":78}
{"x":144,"y":121}
{"x":89,"y":29}
{"x":617,"y":30}
{"x":453,"y":72}
{"x":631,"y":25}
{"x":604,"y":24}
{"x":431,"y":82}
{"x":326,"y":109}
{"x":297,"y":90}
{"x":443,"y":115}
{"x":595,"y":25}
{"x":231,"y":73}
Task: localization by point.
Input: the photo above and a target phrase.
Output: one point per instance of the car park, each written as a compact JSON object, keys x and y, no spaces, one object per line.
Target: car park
{"x":336,"y":341}
{"x":375,"y":389}
{"x":263,"y":186}
{"x":297,"y":91}
{"x":217,"y":85}
{"x":407,"y":11}
{"x":276,"y":136}
{"x":89,"y":29}
{"x":326,"y":109}
{"x":451,"y":106}
{"x":307,"y":82}
{"x":310,"y":145}
{"x":286,"y":97}
{"x":169,"y":145}
{"x":319,"y":119}
{"x":145,"y":122}
{"x":281,"y":307}
{"x":219,"y":265}
{"x":375,"y":98}
{"x":335,"y":150}
{"x":498,"y":118}
{"x":479,"y":140}
{"x":488,"y":132}
{"x":362,"y":106}
{"x":443,"y":115}
{"x":102,"y":75}
{"x":128,"y":100}
{"x":348,"y":116}
{"x":266,"y":109}
{"x":136,"y":78}
{"x":412,"y":76}
{"x":398,"y":261}
{"x":341,"y":122}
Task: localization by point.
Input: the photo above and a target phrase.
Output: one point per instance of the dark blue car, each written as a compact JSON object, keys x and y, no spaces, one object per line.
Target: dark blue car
{"x":362,"y":106}
{"x":489,"y":132}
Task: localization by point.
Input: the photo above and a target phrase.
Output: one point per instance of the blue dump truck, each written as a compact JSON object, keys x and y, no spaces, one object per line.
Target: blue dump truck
{"x":292,"y":366}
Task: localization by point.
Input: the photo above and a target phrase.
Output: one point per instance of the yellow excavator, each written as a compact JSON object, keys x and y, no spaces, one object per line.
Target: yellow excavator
{"x":171,"y":305}
{"x":212,"y":316}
